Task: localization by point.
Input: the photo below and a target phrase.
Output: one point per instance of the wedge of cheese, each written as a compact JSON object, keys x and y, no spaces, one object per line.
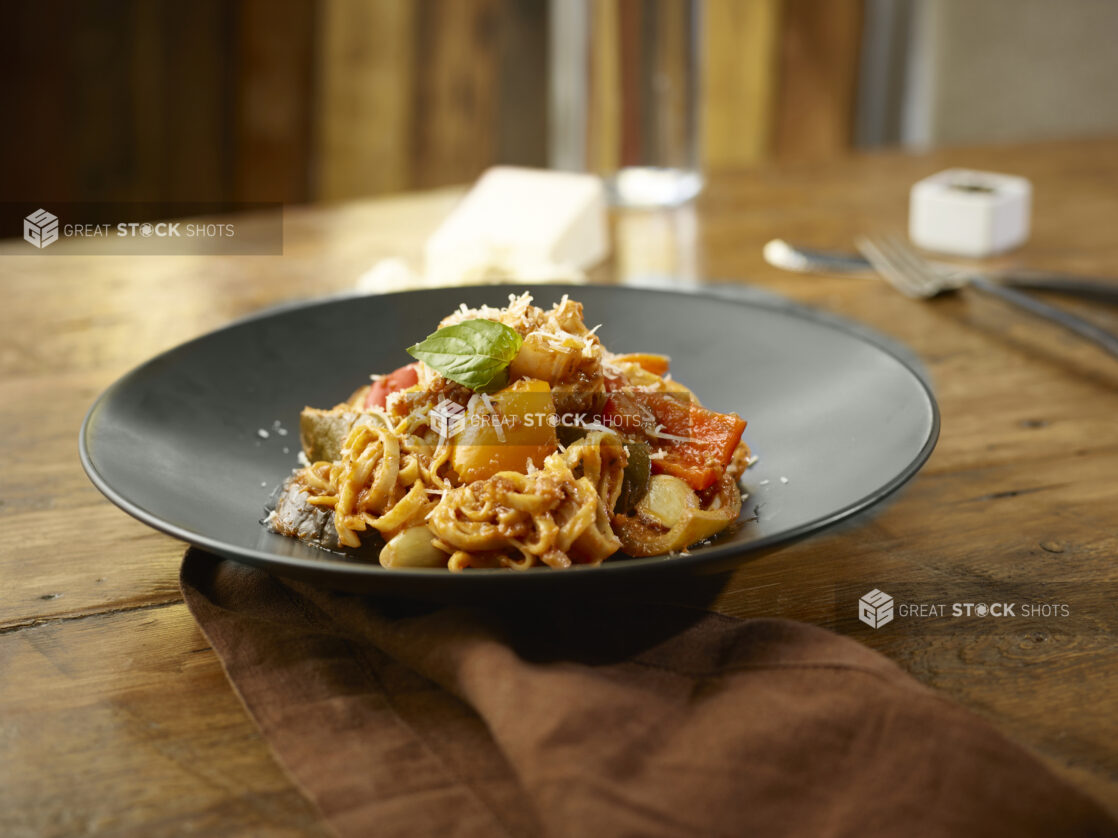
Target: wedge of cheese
{"x":526,"y":218}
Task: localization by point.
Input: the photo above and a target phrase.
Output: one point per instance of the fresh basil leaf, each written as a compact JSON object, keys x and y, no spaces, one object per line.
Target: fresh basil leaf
{"x":473,"y":353}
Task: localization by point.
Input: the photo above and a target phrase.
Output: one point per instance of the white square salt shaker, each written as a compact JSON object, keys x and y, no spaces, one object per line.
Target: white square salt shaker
{"x":965,"y":212}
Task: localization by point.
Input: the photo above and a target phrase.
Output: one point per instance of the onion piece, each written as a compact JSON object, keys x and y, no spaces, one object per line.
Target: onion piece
{"x":640,"y":538}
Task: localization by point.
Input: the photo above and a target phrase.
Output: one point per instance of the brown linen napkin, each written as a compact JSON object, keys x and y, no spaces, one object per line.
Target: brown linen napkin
{"x":580,"y":719}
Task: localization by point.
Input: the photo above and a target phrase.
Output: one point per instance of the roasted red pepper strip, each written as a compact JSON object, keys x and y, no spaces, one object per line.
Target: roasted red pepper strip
{"x":625,"y":414}
{"x":400,"y":379}
{"x":710,"y":437}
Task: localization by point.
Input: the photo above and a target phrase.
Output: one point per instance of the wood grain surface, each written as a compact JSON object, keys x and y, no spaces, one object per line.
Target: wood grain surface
{"x":115,"y":717}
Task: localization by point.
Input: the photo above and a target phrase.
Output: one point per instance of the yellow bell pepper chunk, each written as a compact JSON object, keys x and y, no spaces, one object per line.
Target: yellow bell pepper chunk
{"x":520,"y":431}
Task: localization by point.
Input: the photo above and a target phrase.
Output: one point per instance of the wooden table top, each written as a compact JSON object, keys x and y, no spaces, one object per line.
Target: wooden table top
{"x":114,"y":713}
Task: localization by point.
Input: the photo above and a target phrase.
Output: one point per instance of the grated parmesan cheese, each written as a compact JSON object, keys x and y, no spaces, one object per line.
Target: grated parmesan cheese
{"x":492,"y":411}
{"x":659,"y":433}
{"x":595,"y":425}
{"x":519,"y":313}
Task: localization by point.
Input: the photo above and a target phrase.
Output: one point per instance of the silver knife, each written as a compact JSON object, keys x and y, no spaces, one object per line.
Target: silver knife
{"x":781,"y":254}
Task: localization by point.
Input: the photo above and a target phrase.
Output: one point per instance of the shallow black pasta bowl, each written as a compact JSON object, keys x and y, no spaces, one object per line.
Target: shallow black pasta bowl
{"x":192,"y":442}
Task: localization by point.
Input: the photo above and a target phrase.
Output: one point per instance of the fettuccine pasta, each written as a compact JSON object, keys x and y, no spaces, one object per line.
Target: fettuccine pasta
{"x":516,"y":440}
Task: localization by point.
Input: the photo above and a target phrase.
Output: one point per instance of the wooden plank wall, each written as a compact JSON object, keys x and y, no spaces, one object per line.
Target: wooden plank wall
{"x":740,"y":63}
{"x":129,"y":100}
{"x":426,"y":93}
{"x":365,"y":89}
{"x":779,"y":81}
{"x":819,"y":49}
{"x":296,"y":100}
{"x":274,"y":81}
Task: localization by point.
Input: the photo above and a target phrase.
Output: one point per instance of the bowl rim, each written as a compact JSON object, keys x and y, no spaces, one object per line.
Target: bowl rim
{"x":692,"y":561}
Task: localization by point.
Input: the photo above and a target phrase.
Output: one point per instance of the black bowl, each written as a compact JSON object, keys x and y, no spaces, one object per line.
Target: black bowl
{"x":837,"y":420}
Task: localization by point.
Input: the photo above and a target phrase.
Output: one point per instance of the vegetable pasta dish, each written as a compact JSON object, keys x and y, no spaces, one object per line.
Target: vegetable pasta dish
{"x":514,"y":440}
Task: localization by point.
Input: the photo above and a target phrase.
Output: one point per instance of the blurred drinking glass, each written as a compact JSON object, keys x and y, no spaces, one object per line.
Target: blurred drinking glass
{"x":625,"y":96}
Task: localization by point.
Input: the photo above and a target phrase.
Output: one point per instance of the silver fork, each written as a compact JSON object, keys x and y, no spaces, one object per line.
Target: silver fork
{"x":914,"y":276}
{"x":810,"y":260}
